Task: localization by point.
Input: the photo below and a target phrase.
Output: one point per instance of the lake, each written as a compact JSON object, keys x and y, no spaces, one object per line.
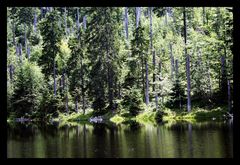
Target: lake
{"x":176,"y":140}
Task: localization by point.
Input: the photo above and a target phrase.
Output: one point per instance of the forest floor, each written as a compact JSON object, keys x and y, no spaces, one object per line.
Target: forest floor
{"x":145,"y":117}
{"x":149,"y":116}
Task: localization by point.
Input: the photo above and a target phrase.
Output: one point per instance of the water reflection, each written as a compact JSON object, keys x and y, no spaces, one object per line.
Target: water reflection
{"x":178,"y":140}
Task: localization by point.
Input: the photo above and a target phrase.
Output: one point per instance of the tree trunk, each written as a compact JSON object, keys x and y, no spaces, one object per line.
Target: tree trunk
{"x":188,"y":84}
{"x":17,"y":50}
{"x":209,"y":80}
{"x":154,"y":66}
{"x":187,"y":64}
{"x":60,"y":85}
{"x":78,"y":26}
{"x":76,"y":104}
{"x":13,"y":31}
{"x":160,"y":75}
{"x":177,"y":81}
{"x":223,"y":76}
{"x":85,"y":22}
{"x":138,"y":15}
{"x":65,"y":19}
{"x":143,"y":78}
{"x":11,"y":72}
{"x":229,"y":96}
{"x":54,"y":78}
{"x":172,"y":62}
{"x":83,"y":91}
{"x":176,"y":69}
{"x":150,"y":32}
{"x":154,"y":90}
{"x":166,"y":16}
{"x":25,"y":37}
{"x":110,"y":86}
{"x":126,"y":22}
{"x":35,"y":21}
{"x":203,"y":16}
{"x":42,"y":12}
{"x":63,"y":80}
{"x":119,"y":90}
{"x":28,"y":53}
{"x":67,"y":102}
{"x":20,"y":52}
{"x":147,"y":84}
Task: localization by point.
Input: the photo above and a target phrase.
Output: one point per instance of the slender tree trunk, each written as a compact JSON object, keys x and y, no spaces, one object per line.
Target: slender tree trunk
{"x":154,"y":90}
{"x":85,"y":22}
{"x":20,"y":52}
{"x":187,"y":64}
{"x":172,"y":61}
{"x":63,"y":80}
{"x":154,"y":66}
{"x":138,"y":15}
{"x":67,"y":102}
{"x":150,"y":32}
{"x":143,"y":78}
{"x":28,"y":53}
{"x":147,"y":83}
{"x":76,"y":104}
{"x":17,"y":50}
{"x":13,"y":31}
{"x":126,"y":22}
{"x":177,"y":81}
{"x":25,"y":37}
{"x":176,"y":69}
{"x":160,"y":73}
{"x":223,"y":76}
{"x":229,"y":96}
{"x":78,"y":19}
{"x":60,"y":85}
{"x":119,"y":90}
{"x":210,"y":82}
{"x":110,"y":90}
{"x":150,"y":35}
{"x":65,"y":20}
{"x":166,"y":16}
{"x":11,"y":72}
{"x":83,"y":91}
{"x":203,"y":15}
{"x":54,"y":78}
{"x":35,"y":21}
{"x":41,"y":12}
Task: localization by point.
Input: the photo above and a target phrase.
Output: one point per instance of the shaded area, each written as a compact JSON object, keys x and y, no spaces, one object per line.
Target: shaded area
{"x":179,"y":140}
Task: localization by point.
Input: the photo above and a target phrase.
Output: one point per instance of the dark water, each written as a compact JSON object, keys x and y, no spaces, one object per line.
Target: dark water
{"x":181,"y":140}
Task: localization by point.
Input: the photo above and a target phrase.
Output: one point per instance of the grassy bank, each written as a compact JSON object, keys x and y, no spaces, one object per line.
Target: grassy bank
{"x":146,"y":117}
{"x":167,"y":115}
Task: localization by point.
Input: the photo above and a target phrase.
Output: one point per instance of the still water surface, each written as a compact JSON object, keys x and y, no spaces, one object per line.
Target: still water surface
{"x":180,"y":140}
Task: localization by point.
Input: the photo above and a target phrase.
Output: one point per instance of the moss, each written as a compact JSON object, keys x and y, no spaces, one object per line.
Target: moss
{"x":117,"y":119}
{"x":72,"y":117}
{"x":146,"y":117}
{"x":197,"y":114}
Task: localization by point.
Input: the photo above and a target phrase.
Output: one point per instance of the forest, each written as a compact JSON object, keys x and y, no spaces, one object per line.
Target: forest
{"x":119,"y":64}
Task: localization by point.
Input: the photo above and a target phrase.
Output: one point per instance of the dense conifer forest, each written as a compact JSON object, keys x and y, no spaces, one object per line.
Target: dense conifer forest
{"x":119,"y":63}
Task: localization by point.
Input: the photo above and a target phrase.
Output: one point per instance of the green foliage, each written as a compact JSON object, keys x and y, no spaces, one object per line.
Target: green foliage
{"x":99,"y":68}
{"x":28,"y":90}
{"x":132,"y":101}
{"x":51,"y":34}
